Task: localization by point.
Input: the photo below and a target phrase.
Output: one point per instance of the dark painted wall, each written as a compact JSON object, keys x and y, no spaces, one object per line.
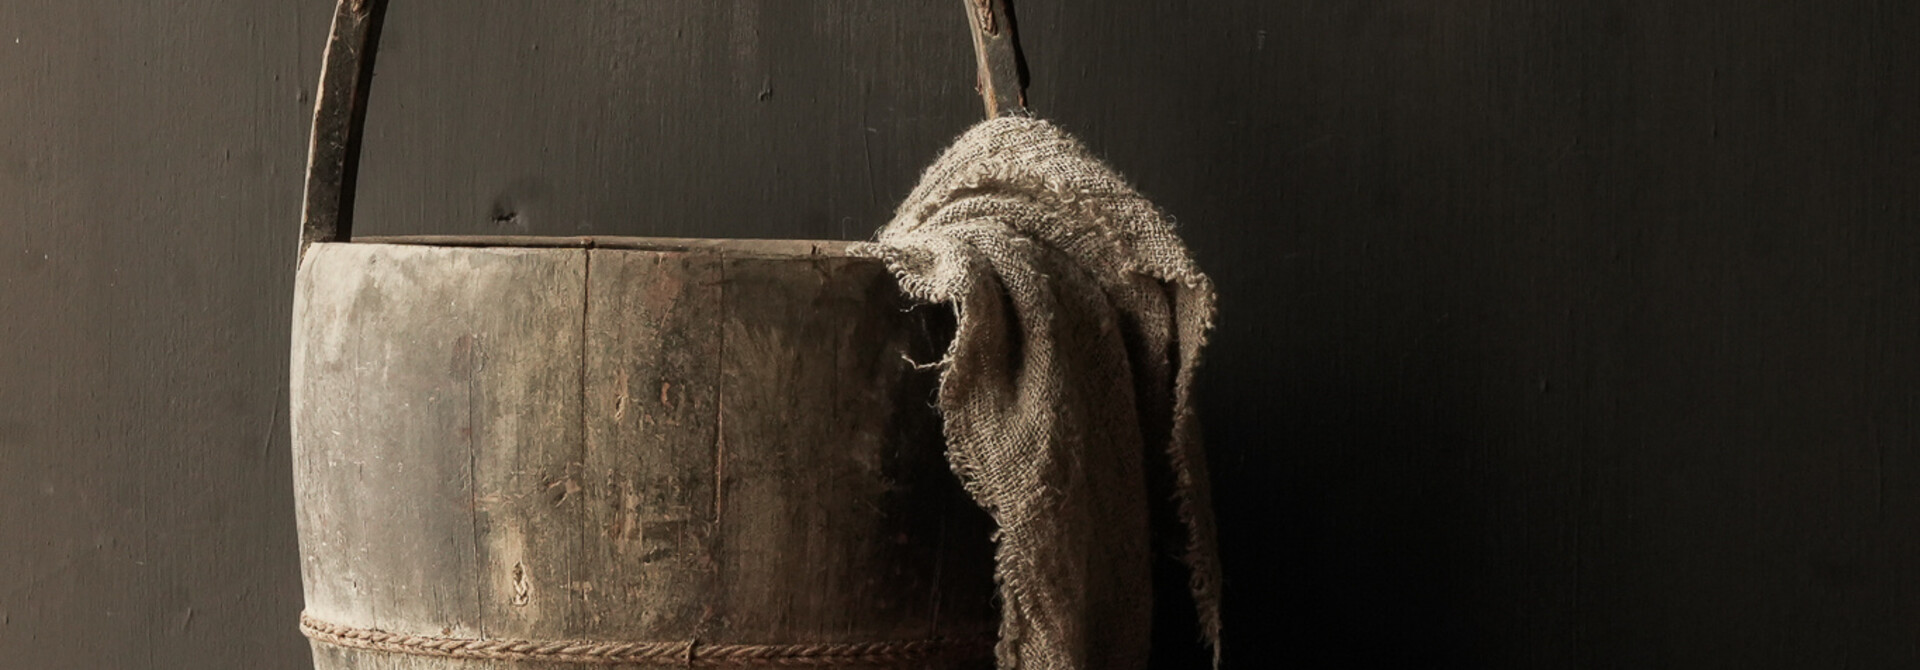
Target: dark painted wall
{"x":1556,"y":334}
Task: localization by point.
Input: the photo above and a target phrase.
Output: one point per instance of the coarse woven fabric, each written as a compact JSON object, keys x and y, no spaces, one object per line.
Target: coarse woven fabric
{"x":1068,"y":384}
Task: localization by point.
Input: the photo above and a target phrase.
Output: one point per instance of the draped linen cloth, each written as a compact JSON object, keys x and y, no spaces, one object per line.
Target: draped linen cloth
{"x":1068,"y":384}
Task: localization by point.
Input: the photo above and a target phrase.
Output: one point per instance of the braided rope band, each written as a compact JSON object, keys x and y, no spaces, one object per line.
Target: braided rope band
{"x":689,"y":654}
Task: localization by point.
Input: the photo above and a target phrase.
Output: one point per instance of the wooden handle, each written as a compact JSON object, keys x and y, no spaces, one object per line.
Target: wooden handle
{"x":1003,"y":81}
{"x":339,"y":114}
{"x":346,"y":76}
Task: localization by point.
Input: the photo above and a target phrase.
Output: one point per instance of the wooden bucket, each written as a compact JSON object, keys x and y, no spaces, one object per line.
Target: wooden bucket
{"x":552,"y":452}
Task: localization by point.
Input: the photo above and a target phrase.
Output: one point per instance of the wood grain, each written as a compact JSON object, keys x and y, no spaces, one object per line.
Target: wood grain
{"x":624,"y":445}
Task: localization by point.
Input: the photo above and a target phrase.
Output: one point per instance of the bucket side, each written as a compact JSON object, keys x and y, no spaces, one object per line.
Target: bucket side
{"x":622,"y":445}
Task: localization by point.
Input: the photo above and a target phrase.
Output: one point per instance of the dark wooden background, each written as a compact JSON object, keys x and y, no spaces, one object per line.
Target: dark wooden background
{"x":1556,"y":334}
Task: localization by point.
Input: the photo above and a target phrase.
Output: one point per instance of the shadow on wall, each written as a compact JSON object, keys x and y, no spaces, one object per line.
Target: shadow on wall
{"x":1381,"y":502}
{"x":1352,"y":507}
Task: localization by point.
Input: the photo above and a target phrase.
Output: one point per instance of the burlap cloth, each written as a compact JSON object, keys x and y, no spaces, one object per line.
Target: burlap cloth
{"x":1069,"y":383}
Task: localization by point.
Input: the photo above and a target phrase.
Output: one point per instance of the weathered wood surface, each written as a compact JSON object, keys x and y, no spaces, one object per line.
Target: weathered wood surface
{"x":622,"y":445}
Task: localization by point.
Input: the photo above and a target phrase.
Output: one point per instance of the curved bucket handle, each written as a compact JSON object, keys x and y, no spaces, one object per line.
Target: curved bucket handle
{"x":346,"y":75}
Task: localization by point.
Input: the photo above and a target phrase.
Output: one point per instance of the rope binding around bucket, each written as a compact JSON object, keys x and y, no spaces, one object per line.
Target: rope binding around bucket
{"x":688,"y":653}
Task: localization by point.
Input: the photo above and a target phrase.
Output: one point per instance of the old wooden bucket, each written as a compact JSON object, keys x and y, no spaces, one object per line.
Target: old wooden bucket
{"x":544,"y":453}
